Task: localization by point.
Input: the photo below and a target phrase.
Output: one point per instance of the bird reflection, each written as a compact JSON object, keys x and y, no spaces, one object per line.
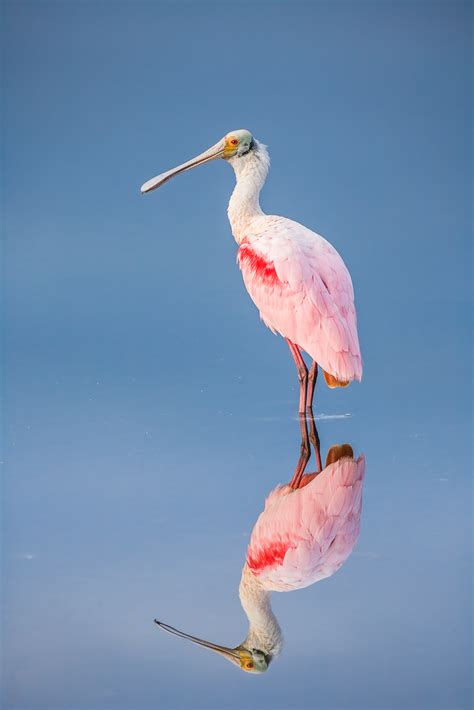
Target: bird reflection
{"x":306,"y":532}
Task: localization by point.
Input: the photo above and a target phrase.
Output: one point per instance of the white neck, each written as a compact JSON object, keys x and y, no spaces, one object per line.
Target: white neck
{"x":250,"y":171}
{"x":264,"y":631}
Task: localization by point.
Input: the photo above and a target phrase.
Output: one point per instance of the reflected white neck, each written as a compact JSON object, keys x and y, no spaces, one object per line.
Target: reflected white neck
{"x":250,"y":171}
{"x":264,"y":632}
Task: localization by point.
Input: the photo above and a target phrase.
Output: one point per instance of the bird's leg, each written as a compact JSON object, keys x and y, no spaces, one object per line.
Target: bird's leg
{"x":313,"y":432}
{"x":302,"y":374}
{"x":305,"y":451}
{"x":312,"y":379}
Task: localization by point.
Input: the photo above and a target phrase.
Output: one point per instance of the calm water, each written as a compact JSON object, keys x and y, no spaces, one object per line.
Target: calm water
{"x":149,"y":412}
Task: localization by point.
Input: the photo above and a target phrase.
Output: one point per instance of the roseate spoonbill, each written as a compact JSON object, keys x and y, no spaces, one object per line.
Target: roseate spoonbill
{"x":305,"y":533}
{"x":296,"y":279}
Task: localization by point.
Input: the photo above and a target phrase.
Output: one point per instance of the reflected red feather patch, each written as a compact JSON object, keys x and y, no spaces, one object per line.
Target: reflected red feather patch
{"x":272,"y":555}
{"x":256,"y":263}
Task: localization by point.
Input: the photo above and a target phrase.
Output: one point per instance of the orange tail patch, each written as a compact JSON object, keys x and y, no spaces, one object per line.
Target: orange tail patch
{"x":332,"y":381}
{"x":339,"y":451}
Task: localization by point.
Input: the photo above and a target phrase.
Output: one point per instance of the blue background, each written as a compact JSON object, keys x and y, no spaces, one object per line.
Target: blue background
{"x":149,"y":412}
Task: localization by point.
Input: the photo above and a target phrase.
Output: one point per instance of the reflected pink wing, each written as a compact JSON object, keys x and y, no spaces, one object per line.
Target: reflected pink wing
{"x":305,"y":535}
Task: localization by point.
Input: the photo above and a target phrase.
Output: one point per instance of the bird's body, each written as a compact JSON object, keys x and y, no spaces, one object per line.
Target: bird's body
{"x":303,"y":291}
{"x":295,"y":277}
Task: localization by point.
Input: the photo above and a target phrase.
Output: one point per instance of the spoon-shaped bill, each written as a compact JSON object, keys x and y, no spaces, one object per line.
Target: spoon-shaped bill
{"x":231,"y":654}
{"x":216,"y":151}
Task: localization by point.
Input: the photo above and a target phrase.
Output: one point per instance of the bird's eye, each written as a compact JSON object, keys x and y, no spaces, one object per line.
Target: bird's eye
{"x":234,"y":141}
{"x":249,"y":665}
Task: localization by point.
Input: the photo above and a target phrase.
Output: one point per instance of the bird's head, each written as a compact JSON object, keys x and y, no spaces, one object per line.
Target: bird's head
{"x":238,"y":143}
{"x":250,"y":660}
{"x":234,"y":145}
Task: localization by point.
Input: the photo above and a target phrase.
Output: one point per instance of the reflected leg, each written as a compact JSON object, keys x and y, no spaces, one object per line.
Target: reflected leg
{"x":305,"y":453}
{"x":313,"y":432}
{"x":314,"y":438}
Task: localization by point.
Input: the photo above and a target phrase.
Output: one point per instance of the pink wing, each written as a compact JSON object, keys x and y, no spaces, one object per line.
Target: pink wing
{"x":303,"y":291}
{"x":305,"y":535}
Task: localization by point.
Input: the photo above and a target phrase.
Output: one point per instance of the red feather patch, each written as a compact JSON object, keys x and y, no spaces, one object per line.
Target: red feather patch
{"x":257,"y":264}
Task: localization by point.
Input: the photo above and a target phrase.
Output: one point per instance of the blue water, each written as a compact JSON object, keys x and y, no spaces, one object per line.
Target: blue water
{"x":148,"y":411}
